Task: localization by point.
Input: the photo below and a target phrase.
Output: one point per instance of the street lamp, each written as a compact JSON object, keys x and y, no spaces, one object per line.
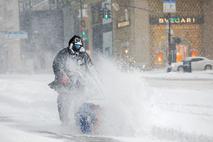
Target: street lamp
{"x":126,"y":51}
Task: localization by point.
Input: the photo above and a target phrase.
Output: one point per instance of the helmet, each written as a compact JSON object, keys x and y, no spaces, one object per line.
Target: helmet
{"x":75,"y":43}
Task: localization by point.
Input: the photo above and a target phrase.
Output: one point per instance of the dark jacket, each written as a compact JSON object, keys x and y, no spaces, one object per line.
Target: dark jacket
{"x":60,"y":67}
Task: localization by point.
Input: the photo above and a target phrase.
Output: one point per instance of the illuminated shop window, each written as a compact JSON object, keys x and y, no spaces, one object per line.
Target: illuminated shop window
{"x":194,"y":52}
{"x":159,"y":57}
{"x":179,"y":57}
{"x":181,"y":52}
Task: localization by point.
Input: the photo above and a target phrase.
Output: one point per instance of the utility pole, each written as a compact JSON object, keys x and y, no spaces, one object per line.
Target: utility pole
{"x":81,"y":16}
{"x":169,"y":40}
{"x":81,"y":10}
{"x":169,"y":6}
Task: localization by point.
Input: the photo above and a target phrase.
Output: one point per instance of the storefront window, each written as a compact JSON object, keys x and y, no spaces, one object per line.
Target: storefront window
{"x":159,"y":58}
{"x":181,"y":52}
{"x":194,"y":52}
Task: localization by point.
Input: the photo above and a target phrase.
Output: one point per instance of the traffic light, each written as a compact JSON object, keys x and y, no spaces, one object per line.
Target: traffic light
{"x":109,"y":13}
{"x":84,"y":35}
{"x":106,"y":16}
{"x":106,"y":13}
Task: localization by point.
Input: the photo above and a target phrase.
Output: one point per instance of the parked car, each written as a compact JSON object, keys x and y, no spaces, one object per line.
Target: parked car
{"x":177,"y":67}
{"x":197,"y":63}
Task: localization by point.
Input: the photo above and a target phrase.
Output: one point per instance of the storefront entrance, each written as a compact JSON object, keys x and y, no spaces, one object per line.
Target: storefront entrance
{"x":186,"y":38}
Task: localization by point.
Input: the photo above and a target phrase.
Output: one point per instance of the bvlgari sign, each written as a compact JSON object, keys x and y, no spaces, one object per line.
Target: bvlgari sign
{"x":176,"y":20}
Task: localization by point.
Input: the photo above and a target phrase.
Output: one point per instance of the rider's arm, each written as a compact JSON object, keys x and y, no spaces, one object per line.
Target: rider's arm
{"x":59,"y":67}
{"x":88,"y":60}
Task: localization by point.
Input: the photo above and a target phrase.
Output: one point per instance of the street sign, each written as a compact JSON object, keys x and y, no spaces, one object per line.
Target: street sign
{"x":169,"y":6}
{"x":14,"y":35}
{"x":84,"y":13}
{"x":123,"y":24}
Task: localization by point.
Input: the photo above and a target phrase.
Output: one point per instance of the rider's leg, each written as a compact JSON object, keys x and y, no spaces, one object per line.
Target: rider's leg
{"x":63,"y":107}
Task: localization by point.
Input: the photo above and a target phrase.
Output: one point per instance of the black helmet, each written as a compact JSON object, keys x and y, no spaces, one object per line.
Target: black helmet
{"x":75,"y":43}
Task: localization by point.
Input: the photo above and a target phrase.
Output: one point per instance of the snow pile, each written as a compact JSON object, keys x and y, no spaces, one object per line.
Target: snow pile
{"x":125,"y":95}
{"x":28,"y":103}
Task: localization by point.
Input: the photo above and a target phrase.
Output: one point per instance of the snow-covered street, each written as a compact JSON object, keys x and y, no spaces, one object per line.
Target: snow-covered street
{"x":177,"y":110}
{"x":26,"y":105}
{"x":106,"y":71}
{"x":181,"y":106}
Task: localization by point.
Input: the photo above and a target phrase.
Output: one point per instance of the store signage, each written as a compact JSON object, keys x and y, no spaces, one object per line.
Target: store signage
{"x":169,"y":6}
{"x":177,"y":20}
{"x":123,"y":24}
{"x":14,"y":35}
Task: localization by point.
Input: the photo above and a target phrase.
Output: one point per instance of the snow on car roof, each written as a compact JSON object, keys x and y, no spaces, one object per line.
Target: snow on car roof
{"x":189,"y":58}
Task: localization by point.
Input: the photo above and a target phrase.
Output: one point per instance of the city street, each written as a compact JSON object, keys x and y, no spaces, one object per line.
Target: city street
{"x":174,"y":110}
{"x":106,"y":71}
{"x":181,"y":105}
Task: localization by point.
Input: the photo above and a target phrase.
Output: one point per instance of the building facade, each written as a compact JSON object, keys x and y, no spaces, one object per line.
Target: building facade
{"x":10,"y":57}
{"x":140,"y":30}
{"x":144,"y":33}
{"x":186,"y":31}
{"x":132,"y":30}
